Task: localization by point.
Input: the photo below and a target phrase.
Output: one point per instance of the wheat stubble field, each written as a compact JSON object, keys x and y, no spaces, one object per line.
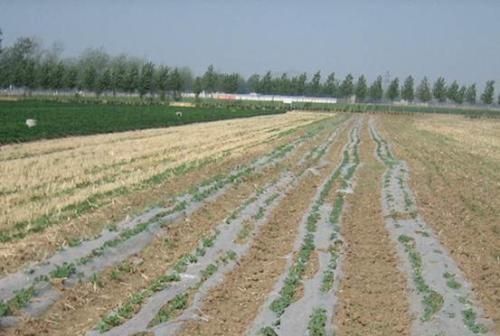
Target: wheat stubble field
{"x":302,"y":223}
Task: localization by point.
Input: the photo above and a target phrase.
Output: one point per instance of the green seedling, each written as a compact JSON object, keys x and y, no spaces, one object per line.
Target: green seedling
{"x":317,"y":323}
{"x":451,"y":282}
{"x":267,"y":331}
{"x":172,"y":308}
{"x":469,"y":318}
{"x":63,"y":271}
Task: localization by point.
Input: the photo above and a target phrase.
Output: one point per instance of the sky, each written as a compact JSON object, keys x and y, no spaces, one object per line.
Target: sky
{"x":457,"y":39}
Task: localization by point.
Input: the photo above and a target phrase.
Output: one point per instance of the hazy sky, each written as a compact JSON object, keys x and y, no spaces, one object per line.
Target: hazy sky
{"x":459,"y":39}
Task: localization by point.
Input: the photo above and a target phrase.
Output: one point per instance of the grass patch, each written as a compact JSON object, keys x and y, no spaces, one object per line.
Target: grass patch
{"x":85,"y":117}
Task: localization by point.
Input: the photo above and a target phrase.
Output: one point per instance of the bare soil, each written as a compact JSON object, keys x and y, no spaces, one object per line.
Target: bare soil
{"x":372,"y":295}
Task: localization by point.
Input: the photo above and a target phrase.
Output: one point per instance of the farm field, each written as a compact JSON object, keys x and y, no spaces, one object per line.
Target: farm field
{"x":303,"y":223}
{"x":56,"y":119}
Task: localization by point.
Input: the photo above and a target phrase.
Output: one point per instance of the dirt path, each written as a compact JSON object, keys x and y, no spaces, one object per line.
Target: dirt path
{"x":372,"y":296}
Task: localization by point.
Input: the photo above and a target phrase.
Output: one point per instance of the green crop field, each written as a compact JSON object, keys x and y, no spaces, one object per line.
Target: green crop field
{"x":55,"y":119}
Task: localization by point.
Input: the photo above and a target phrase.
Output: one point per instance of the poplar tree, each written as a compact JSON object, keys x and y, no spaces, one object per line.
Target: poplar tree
{"x":210,"y":80}
{"x":393,"y":89}
{"x":408,"y":92}
{"x":57,"y":73}
{"x":439,"y":90}
{"x":175,"y":84}
{"x":315,"y":87}
{"x":461,"y":95}
{"x":119,"y":75}
{"x":90,"y":78}
{"x":331,"y":86}
{"x":146,"y":81}
{"x":132,"y":78}
{"x":424,"y":91}
{"x":452,"y":92}
{"x":347,"y":87}
{"x":104,"y":82}
{"x":376,"y":90}
{"x":253,"y":83}
{"x":197,"y":86}
{"x":300,"y":84}
{"x":162,"y":81}
{"x":361,"y":89}
{"x":488,"y":93}
{"x":470,"y":94}
{"x":71,"y":77}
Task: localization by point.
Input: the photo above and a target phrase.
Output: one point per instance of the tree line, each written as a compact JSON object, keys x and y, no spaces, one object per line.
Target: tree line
{"x":27,"y":65}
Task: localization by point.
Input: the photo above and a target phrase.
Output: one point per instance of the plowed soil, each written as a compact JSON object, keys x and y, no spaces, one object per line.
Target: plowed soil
{"x":372,"y":295}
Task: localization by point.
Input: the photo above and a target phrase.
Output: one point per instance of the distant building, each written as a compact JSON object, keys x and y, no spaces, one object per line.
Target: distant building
{"x":260,"y":97}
